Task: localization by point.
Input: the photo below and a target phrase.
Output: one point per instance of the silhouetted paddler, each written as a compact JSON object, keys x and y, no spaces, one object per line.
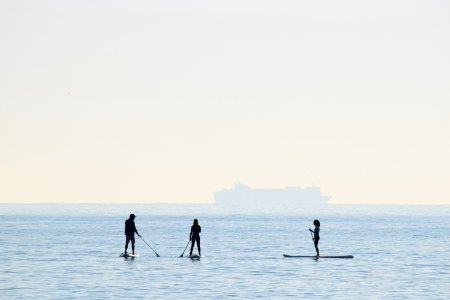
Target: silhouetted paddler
{"x":194,"y":237}
{"x":130,"y":229}
{"x":316,"y":235}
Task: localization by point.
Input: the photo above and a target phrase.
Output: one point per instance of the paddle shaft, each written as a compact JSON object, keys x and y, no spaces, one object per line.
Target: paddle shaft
{"x":149,"y":246}
{"x":185,"y":248}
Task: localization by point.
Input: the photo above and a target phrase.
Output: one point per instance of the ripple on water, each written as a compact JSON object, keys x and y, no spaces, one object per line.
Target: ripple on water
{"x":77,"y":257}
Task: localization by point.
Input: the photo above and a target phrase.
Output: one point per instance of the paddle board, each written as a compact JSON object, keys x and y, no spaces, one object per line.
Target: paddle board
{"x":126,"y":255}
{"x":194,"y":256}
{"x":326,"y":256}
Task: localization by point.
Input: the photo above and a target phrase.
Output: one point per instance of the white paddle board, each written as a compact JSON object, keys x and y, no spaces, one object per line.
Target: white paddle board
{"x":126,"y":255}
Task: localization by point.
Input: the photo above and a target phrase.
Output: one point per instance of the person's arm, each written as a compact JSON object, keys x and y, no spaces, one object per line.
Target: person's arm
{"x":199,"y":229}
{"x":190,"y":235}
{"x":135,"y":230}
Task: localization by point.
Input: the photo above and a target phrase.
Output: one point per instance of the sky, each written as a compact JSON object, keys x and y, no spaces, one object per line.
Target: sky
{"x":170,"y":101}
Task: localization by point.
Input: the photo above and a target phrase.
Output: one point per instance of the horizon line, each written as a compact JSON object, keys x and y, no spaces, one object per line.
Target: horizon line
{"x":209,"y":203}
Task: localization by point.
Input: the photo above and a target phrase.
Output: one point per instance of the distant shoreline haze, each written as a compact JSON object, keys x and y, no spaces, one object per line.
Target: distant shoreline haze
{"x":242,"y":195}
{"x":239,"y":194}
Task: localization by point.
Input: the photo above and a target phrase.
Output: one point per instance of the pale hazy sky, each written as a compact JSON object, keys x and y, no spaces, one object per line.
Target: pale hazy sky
{"x":158,"y":101}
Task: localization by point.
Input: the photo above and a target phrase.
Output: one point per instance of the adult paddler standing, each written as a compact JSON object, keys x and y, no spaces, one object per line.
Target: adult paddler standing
{"x":130,"y":229}
{"x":194,"y":237}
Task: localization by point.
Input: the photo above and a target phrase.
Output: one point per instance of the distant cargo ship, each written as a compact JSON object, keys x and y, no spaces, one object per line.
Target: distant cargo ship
{"x":242,"y":195}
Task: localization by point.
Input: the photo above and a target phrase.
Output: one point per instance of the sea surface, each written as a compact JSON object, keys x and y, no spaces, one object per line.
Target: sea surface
{"x":54,"y":251}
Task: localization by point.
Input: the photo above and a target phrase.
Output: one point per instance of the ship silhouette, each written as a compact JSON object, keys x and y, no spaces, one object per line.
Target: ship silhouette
{"x":242,"y":195}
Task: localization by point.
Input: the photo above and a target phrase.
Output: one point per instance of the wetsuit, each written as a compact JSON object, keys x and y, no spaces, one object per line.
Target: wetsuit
{"x":195,"y":237}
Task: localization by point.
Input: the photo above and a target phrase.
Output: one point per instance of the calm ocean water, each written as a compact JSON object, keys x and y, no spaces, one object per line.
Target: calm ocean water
{"x":71,"y":252}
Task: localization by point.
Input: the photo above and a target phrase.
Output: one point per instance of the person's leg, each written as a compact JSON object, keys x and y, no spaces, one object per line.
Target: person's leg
{"x":316,"y":244}
{"x":198,"y":246}
{"x":127,"y":240}
{"x":192,"y":246}
{"x":132,"y":243}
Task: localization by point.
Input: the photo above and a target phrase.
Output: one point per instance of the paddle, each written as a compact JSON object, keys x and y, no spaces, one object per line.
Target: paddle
{"x":185,"y":249}
{"x":157,"y":255}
